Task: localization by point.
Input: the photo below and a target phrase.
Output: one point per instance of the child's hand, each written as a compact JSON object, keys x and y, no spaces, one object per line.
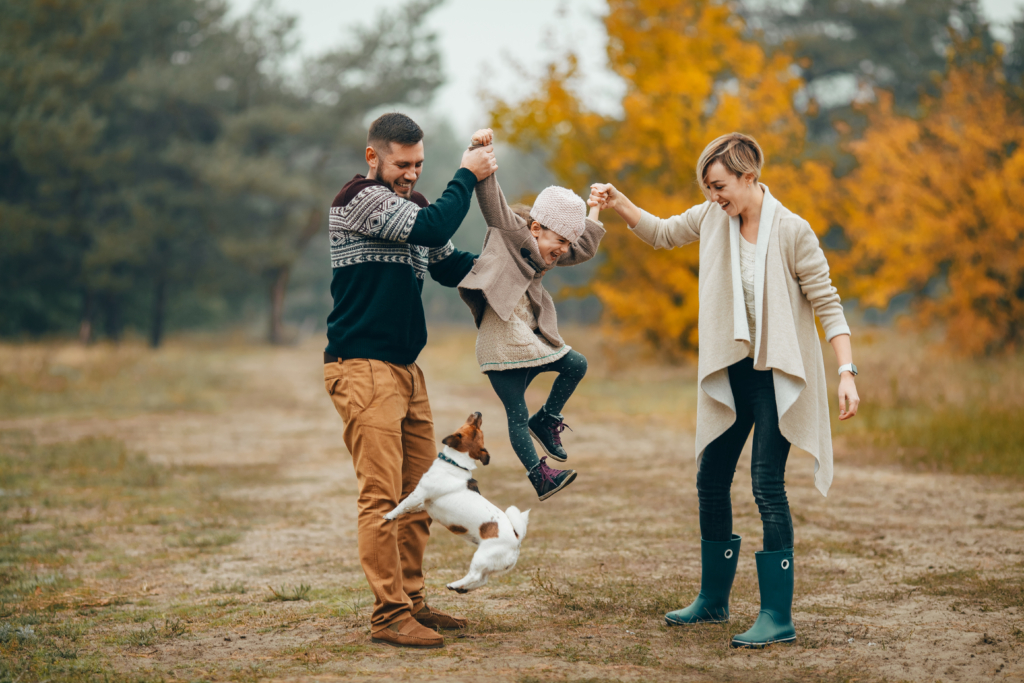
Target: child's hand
{"x":484,"y":136}
{"x":602,"y":195}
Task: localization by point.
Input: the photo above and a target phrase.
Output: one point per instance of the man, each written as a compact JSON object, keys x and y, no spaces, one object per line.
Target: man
{"x":385,"y":238}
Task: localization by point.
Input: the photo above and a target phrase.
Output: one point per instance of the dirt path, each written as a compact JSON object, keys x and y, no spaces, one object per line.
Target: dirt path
{"x":900,"y":576}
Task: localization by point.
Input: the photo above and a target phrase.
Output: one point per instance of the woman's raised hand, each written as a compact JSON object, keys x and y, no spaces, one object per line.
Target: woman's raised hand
{"x":606,"y":196}
{"x":601,"y":195}
{"x":484,"y":136}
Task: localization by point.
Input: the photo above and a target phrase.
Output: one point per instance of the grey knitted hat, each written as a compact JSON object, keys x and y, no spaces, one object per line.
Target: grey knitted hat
{"x":561,"y":211}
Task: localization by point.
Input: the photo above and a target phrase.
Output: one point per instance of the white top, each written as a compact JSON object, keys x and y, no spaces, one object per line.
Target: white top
{"x":748,"y":265}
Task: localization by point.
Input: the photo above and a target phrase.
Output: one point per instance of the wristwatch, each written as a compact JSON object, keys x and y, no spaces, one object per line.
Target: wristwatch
{"x":849,"y":366}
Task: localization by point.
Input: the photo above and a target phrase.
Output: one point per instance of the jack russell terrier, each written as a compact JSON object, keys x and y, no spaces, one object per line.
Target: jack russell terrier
{"x":452,"y":498}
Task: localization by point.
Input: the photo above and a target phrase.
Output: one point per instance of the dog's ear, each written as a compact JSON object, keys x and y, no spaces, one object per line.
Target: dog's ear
{"x":476,"y":419}
{"x":453,"y":440}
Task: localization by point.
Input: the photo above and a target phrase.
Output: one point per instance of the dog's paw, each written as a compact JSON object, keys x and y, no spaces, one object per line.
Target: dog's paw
{"x":460,"y":591}
{"x":390,"y":516}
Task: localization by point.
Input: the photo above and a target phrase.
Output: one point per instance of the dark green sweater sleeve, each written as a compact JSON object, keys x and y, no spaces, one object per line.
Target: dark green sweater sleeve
{"x":453,"y":269}
{"x":436,"y":224}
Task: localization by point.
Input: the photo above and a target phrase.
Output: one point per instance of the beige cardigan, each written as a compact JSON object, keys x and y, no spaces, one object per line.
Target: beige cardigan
{"x":791,"y":285}
{"x":510,"y":264}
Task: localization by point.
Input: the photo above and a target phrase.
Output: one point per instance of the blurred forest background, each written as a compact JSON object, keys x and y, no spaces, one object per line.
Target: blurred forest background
{"x":162,"y":169}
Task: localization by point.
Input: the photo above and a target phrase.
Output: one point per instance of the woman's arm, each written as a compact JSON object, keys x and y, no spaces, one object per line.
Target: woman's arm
{"x":657,"y":232}
{"x":812,"y":273}
{"x":849,"y":400}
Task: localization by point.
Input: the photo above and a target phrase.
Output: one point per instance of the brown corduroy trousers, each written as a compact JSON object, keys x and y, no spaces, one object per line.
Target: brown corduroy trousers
{"x":389,"y":431}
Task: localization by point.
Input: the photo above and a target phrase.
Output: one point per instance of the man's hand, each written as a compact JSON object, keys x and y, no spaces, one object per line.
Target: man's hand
{"x":480,"y":160}
{"x":484,"y":136}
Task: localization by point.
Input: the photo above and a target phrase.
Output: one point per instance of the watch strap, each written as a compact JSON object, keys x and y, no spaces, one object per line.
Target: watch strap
{"x":849,"y":367}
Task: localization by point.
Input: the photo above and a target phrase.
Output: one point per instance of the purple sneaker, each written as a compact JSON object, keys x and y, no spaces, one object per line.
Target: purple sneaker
{"x":546,"y":429}
{"x":547,"y":482}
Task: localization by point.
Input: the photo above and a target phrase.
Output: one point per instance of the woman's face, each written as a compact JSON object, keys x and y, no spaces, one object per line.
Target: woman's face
{"x":732,"y":193}
{"x":551,"y":244}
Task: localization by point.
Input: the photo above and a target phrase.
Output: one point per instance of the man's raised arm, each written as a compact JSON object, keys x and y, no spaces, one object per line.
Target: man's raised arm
{"x":436,"y":224}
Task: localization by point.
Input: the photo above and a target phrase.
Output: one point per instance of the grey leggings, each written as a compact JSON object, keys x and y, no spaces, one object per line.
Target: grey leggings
{"x":510,"y":386}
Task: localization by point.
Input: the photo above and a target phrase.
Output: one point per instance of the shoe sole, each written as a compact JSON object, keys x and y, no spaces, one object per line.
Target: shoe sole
{"x":568,"y":480}
{"x":544,"y":448}
{"x":443,"y":628}
{"x":669,"y":622}
{"x":760,"y":646}
{"x":381,"y":641}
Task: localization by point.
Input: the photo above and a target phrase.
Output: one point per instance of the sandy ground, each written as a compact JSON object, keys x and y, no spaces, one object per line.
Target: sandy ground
{"x":892,"y":567}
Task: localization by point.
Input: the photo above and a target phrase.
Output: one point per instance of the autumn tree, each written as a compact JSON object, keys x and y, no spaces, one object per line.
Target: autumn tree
{"x":935,"y":208}
{"x":692,"y":73}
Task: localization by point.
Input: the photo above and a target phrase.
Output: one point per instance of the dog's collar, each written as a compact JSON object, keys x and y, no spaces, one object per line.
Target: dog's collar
{"x":444,"y":457}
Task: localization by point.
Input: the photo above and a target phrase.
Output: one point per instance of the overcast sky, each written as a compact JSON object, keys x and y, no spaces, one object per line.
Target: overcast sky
{"x":486,"y":43}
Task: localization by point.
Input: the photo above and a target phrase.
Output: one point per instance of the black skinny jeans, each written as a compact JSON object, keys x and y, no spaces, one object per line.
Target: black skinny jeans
{"x":754,"y":394}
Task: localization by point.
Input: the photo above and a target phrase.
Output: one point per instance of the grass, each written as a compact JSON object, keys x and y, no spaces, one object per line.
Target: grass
{"x":289,"y":593}
{"x":69,"y":548}
{"x":115,"y":567}
{"x":929,"y":409}
{"x":105,"y":379}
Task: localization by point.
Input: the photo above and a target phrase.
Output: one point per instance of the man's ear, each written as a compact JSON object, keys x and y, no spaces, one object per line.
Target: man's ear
{"x":453,"y":440}
{"x":372,"y":160}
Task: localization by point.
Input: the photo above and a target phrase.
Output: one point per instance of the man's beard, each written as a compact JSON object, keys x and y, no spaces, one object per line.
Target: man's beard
{"x":391,"y":186}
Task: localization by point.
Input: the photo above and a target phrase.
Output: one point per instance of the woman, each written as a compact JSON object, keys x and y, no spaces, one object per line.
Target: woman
{"x":760,"y":365}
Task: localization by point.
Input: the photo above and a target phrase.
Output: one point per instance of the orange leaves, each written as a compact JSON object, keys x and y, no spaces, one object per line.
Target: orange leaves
{"x":691,"y":75}
{"x":935,"y":208}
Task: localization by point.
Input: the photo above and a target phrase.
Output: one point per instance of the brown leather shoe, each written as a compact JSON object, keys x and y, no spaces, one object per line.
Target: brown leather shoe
{"x":408,"y":633}
{"x":435,"y":619}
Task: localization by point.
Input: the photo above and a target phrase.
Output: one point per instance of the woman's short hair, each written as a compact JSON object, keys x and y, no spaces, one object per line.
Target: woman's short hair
{"x":738,"y":152}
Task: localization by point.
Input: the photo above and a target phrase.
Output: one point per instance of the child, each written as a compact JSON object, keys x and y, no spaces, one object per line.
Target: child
{"x":518,"y":336}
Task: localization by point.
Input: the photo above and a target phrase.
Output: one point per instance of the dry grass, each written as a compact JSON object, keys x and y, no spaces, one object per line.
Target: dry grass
{"x":137,"y":540}
{"x":936,"y":411}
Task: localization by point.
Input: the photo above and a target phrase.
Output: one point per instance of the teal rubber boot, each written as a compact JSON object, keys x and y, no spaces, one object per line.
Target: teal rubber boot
{"x":775,"y":582}
{"x":717,"y":570}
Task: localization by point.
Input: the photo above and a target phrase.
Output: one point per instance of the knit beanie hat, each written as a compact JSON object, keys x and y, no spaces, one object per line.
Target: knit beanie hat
{"x":561,"y":211}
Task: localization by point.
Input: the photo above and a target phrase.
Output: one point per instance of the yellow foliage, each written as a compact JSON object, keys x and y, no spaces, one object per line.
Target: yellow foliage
{"x":936,"y":208}
{"x":691,"y":75}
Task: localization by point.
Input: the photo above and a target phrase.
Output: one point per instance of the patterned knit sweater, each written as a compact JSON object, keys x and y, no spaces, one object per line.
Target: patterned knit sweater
{"x":382,"y":247}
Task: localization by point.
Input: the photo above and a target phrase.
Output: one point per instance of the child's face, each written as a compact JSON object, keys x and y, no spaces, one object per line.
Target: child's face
{"x":551,"y":244}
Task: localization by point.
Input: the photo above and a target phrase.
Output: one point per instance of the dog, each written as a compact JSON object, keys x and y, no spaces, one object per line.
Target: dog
{"x":451,"y":497}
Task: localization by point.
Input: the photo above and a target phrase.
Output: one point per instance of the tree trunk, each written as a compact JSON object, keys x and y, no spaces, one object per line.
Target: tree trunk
{"x":281,"y":275}
{"x":88,"y":313}
{"x":113,"y":323}
{"x":277,"y":290}
{"x":156,"y":332}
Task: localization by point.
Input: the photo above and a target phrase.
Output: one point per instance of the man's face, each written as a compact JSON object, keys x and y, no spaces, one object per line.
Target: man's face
{"x":398,"y":167}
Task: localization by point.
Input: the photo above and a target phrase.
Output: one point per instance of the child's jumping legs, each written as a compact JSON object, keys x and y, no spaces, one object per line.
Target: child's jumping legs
{"x":510,"y":386}
{"x":546,"y":425}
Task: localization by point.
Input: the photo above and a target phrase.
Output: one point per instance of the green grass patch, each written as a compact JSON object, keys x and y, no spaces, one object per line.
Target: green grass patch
{"x":973,"y":588}
{"x":78,"y":509}
{"x":289,"y":593}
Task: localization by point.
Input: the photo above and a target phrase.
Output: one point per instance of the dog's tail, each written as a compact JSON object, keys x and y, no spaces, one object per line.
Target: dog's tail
{"x":519,"y":520}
